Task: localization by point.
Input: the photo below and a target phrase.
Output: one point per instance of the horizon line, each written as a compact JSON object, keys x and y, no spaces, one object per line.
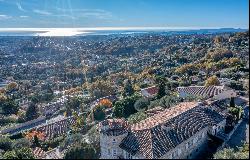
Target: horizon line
{"x":113,"y":28}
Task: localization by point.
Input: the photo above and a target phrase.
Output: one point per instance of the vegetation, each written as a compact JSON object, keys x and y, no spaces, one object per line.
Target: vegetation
{"x":141,"y":104}
{"x":101,"y":88}
{"x":212,"y":81}
{"x":128,"y":88}
{"x":229,"y":153}
{"x":137,"y":117}
{"x":83,"y":151}
{"x":5,"y":143}
{"x":162,"y":87}
{"x":32,"y":112}
{"x":99,"y":112}
{"x":236,"y":112}
{"x":125,"y":107}
{"x":21,"y":153}
{"x":8,"y":106}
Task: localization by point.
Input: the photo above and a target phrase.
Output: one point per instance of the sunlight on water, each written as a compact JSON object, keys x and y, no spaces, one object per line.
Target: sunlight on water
{"x":85,"y":31}
{"x":62,"y":32}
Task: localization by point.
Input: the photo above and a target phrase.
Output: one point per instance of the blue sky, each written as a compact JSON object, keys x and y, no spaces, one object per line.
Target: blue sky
{"x":123,"y":13}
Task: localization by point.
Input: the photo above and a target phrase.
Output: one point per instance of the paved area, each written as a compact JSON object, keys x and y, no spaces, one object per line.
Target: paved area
{"x":240,"y":135}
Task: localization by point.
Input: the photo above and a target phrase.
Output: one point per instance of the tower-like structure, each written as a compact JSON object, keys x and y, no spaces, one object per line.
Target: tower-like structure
{"x":112,"y":132}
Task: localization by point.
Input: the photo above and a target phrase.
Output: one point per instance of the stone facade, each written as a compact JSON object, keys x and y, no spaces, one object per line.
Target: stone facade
{"x":110,"y":146}
{"x":113,"y":134}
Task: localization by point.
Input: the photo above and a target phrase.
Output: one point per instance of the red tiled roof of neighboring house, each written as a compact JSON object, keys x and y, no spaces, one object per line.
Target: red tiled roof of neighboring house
{"x":56,"y":128}
{"x":150,"y":90}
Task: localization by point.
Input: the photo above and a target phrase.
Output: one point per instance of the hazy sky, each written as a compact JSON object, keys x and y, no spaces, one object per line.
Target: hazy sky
{"x":124,"y":13}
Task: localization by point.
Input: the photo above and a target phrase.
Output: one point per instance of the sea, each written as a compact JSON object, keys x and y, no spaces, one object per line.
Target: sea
{"x":50,"y":32}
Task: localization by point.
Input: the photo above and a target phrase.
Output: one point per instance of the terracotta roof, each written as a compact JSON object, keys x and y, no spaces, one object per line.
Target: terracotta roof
{"x":38,"y":152}
{"x":113,"y":126}
{"x":150,"y":91}
{"x":156,"y":141}
{"x":56,"y":128}
{"x":156,"y":110}
{"x":163,"y":116}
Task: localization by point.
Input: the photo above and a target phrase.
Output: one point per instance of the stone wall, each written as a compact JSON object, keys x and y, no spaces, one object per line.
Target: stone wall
{"x":185,"y":151}
{"x":109,"y":145}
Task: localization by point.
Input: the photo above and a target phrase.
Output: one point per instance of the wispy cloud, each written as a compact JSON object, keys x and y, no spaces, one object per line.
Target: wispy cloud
{"x":101,"y":14}
{"x":3,"y":17}
{"x":42,"y":12}
{"x":96,"y":13}
{"x":24,"y":16}
{"x":20,"y":7}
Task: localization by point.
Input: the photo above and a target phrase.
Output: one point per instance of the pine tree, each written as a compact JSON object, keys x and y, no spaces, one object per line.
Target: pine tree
{"x":32,"y":112}
{"x":128,"y":88}
{"x":232,"y":103}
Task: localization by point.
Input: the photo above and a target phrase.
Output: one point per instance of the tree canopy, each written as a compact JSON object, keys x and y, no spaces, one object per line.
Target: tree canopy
{"x":212,"y":81}
{"x":83,"y":151}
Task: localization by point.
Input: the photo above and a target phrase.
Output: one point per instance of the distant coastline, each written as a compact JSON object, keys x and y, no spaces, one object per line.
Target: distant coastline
{"x":107,"y":30}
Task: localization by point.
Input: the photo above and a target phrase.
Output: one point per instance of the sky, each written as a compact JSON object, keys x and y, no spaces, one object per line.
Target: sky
{"x":124,"y":13}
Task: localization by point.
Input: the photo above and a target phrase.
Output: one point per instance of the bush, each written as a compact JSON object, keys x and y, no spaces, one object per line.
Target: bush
{"x":20,"y":153}
{"x":141,"y":104}
{"x":24,"y":153}
{"x":20,"y":143}
{"x":229,"y":153}
{"x":137,"y":117}
{"x":7,"y":120}
{"x":99,"y":112}
{"x":53,"y":143}
{"x":72,"y":140}
{"x":5,"y":143}
{"x":84,"y":151}
{"x":10,"y":155}
{"x":125,"y":107}
{"x":212,"y":81}
{"x":8,"y":106}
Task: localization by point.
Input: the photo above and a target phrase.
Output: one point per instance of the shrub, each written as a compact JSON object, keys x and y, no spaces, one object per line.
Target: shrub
{"x":141,"y":104}
{"x":137,"y":117}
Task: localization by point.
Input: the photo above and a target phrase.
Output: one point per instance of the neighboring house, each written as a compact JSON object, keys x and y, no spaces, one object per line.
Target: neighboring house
{"x":149,"y":92}
{"x":215,"y":92}
{"x":176,"y":133}
{"x":56,"y":128}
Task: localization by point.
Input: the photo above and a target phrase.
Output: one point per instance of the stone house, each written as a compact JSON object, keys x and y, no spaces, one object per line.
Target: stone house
{"x":178,"y":132}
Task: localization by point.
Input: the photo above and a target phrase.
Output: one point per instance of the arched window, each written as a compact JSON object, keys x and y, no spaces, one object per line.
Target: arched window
{"x":114,"y":141}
